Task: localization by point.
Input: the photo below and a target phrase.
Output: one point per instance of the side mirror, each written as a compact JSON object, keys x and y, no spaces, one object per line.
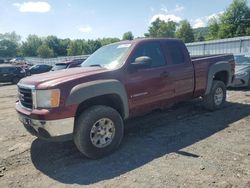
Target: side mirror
{"x":141,"y":62}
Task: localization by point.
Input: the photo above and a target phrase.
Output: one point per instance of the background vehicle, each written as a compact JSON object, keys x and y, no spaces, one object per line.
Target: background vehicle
{"x":38,"y":69}
{"x":117,"y":82}
{"x":242,"y":71}
{"x":68,"y":64}
{"x":9,"y":73}
{"x":18,"y":60}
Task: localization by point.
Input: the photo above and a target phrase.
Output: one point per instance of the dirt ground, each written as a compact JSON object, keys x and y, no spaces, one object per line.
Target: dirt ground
{"x":184,"y":146}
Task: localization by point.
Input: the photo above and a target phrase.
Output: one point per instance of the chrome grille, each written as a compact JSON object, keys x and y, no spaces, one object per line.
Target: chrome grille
{"x":25,"y":97}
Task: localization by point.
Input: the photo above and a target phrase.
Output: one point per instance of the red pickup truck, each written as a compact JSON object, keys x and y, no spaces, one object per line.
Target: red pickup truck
{"x":119,"y":81}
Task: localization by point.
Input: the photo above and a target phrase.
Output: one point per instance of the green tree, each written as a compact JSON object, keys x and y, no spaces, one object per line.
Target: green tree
{"x":64,"y":43}
{"x":185,"y":32}
{"x":8,"y":48}
{"x":128,"y":36}
{"x":106,"y":41}
{"x":53,"y":43}
{"x":31,"y":45}
{"x":161,"y":28}
{"x":248,"y":31}
{"x":213,"y":27}
{"x":236,"y":20}
{"x":45,"y":51}
{"x":75,"y":47}
{"x":9,"y":44}
{"x":93,"y":46}
{"x":13,"y":37}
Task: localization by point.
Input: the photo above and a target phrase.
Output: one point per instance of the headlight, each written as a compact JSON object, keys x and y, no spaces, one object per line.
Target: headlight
{"x":241,"y":74}
{"x":46,"y":98}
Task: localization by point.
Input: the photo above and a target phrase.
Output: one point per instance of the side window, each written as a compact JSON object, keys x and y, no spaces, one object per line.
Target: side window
{"x":175,"y":53}
{"x":152,"y":50}
{"x":6,"y":70}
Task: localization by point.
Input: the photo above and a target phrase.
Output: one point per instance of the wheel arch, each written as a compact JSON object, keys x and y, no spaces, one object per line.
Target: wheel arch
{"x":219,"y":71}
{"x":102,"y":92}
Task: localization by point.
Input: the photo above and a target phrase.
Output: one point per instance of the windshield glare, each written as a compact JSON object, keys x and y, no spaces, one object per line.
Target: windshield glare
{"x":109,"y":56}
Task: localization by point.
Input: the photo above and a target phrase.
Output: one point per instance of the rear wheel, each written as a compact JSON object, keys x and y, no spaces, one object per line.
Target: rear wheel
{"x":98,"y":131}
{"x":217,"y":96}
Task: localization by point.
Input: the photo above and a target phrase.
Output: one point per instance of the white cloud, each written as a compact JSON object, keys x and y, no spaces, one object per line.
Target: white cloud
{"x":178,"y":8}
{"x":39,"y":7}
{"x":152,"y":9}
{"x":85,"y":29}
{"x":164,"y":9}
{"x":199,"y":22}
{"x":202,"y":22}
{"x":166,"y":17}
{"x":215,"y":15}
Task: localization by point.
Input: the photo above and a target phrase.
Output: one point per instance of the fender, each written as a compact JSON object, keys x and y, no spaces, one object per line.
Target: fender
{"x":215,"y":68}
{"x":88,"y":90}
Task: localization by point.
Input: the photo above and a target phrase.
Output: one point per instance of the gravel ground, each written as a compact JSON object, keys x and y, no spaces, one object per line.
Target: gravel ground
{"x":184,"y":146}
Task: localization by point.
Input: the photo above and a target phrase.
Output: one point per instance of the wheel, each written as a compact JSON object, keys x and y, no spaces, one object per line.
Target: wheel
{"x":15,"y":80}
{"x":217,"y":96}
{"x":98,"y":131}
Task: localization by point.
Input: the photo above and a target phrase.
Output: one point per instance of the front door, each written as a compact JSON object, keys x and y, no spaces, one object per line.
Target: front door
{"x":151,"y":87}
{"x":5,"y":74}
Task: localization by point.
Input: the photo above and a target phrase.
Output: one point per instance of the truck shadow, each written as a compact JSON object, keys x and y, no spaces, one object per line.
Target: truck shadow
{"x":146,"y":138}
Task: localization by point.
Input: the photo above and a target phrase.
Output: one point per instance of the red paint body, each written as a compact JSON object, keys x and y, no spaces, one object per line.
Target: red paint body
{"x":163,"y":85}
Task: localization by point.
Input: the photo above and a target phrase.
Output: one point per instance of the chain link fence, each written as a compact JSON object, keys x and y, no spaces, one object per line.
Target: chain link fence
{"x":52,"y":61}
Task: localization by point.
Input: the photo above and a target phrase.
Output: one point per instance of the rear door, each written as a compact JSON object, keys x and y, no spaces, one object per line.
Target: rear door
{"x":181,"y":70}
{"x":1,"y":74}
{"x":6,"y":74}
{"x":149,"y":88}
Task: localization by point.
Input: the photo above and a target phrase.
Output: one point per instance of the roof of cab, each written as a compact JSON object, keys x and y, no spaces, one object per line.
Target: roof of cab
{"x":139,"y":40}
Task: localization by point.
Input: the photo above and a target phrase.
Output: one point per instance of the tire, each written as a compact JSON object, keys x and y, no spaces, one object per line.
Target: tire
{"x":213,"y":102}
{"x":15,"y":80}
{"x":86,"y":133}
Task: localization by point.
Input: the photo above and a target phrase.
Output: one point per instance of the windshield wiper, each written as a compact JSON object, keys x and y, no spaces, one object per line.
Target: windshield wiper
{"x":95,"y":65}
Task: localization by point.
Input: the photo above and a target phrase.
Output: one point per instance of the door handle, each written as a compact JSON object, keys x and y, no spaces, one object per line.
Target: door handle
{"x":164,"y":74}
{"x":5,"y":74}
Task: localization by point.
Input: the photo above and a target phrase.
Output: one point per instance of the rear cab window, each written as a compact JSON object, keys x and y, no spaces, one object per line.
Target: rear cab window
{"x":175,"y":53}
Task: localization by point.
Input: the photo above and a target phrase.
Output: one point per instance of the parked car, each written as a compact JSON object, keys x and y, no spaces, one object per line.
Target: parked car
{"x":119,"y":81}
{"x":242,"y":74}
{"x":18,"y":60}
{"x":9,"y":73}
{"x":68,"y":64}
{"x":39,"y":68}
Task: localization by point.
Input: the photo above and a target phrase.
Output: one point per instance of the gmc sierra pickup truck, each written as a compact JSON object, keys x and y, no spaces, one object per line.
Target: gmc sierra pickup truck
{"x":119,"y":81}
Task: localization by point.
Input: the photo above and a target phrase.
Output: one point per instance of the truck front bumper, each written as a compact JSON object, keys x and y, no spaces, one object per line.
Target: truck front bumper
{"x":55,"y":130}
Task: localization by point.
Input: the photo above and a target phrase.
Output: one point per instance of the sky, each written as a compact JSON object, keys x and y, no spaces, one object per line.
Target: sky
{"x":92,"y":19}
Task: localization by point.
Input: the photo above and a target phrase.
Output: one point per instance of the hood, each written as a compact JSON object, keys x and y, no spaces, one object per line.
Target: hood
{"x":242,"y":68}
{"x":51,"y":79}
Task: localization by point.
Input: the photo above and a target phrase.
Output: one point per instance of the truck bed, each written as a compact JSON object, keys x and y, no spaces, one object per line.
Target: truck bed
{"x":201,"y":67}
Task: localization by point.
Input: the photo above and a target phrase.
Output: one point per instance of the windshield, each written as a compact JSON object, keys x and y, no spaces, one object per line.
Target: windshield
{"x":59,"y":67}
{"x":242,"y":59}
{"x":109,"y":56}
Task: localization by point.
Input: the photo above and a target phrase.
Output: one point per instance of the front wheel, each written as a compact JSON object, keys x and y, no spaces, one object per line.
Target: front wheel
{"x":217,"y":96}
{"x":98,"y":131}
